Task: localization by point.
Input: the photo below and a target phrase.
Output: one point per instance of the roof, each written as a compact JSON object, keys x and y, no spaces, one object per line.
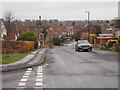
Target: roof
{"x":105,"y":34}
{"x":103,"y":37}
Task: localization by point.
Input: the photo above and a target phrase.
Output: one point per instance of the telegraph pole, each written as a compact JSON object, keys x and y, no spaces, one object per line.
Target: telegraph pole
{"x":88,"y":13}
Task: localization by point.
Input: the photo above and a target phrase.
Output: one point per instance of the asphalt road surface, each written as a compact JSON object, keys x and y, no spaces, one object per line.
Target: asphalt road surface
{"x":66,"y":68}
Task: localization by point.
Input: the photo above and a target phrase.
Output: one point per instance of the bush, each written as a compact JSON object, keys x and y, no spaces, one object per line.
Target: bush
{"x":62,"y":39}
{"x":117,"y":47}
{"x":111,"y":43}
{"x":12,"y":44}
{"x":7,"y":50}
{"x":24,"y":46}
{"x":56,"y":41}
{"x":21,"y":46}
{"x":29,"y":36}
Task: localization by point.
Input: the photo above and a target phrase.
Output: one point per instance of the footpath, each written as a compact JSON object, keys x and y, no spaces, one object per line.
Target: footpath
{"x":34,"y":58}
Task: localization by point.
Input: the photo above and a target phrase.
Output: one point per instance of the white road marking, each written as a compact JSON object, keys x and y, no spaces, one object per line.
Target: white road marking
{"x":21,"y":84}
{"x":39,"y":67}
{"x":25,"y":76}
{"x":29,"y":69}
{"x":39,"y":79}
{"x":23,"y":80}
{"x":39,"y":76}
{"x":39,"y":71}
{"x":39,"y":84}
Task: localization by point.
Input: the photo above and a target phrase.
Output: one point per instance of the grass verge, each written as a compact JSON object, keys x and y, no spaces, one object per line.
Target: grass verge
{"x":97,"y":48}
{"x":13,"y":57}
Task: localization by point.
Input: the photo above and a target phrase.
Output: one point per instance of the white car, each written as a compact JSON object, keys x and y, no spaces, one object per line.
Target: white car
{"x":82,"y":45}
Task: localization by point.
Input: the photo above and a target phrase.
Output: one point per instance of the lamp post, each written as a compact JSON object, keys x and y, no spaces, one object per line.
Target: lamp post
{"x":50,"y":38}
{"x":88,"y":13}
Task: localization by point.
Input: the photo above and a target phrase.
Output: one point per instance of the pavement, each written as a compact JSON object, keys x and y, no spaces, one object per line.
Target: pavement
{"x":34,"y":58}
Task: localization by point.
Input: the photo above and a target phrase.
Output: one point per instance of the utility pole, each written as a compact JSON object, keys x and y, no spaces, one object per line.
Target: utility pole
{"x":50,"y":38}
{"x":88,"y":13}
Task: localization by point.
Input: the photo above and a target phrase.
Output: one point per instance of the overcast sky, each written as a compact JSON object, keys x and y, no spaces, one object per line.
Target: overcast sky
{"x":61,"y":10}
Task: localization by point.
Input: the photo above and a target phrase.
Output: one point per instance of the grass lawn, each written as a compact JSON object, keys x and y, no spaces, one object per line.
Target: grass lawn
{"x":104,"y":49}
{"x":10,"y":58}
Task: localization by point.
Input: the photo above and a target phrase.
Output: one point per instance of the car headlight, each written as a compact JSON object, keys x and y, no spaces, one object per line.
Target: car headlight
{"x":79,"y":45}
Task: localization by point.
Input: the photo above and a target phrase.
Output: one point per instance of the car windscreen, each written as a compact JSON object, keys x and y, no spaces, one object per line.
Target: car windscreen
{"x":83,"y":42}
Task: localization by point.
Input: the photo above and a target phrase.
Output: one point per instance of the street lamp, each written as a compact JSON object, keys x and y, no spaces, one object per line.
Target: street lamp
{"x":50,"y":38}
{"x":88,"y":13}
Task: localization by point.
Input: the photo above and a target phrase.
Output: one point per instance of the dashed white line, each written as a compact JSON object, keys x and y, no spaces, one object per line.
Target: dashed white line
{"x":27,"y":74}
{"x":39,"y":77}
{"x":21,"y":84}
{"x":39,"y":84}
{"x":39,"y":74}
{"x":24,"y":78}
{"x":29,"y":69}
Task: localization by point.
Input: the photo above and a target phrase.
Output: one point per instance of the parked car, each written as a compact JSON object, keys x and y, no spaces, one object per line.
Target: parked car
{"x":82,"y":45}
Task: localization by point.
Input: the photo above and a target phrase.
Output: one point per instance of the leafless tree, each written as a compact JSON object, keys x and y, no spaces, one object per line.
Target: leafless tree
{"x":8,"y":17}
{"x":10,"y":26}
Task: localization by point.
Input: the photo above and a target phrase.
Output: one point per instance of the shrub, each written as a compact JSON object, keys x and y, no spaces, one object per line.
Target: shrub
{"x":29,"y":36}
{"x":111,"y":43}
{"x":21,"y":46}
{"x":117,"y":47}
{"x":56,"y":41}
{"x":62,"y":39}
{"x":12,"y":44}
{"x":24,"y":46}
{"x":7,"y":50}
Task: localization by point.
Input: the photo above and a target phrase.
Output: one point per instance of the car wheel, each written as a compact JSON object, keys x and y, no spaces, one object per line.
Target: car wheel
{"x":90,"y":49}
{"x":76,"y":49}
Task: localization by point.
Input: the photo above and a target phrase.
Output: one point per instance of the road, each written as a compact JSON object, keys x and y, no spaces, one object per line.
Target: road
{"x":66,"y":68}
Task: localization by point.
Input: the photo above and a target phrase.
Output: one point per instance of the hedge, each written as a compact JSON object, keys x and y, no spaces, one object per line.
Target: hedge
{"x":21,"y":46}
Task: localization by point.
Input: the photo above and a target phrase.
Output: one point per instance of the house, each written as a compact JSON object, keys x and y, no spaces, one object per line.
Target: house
{"x":103,"y":38}
{"x":117,"y":27}
{"x":2,"y":29}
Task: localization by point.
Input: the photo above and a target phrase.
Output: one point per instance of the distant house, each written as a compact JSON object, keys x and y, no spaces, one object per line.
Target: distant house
{"x":103,"y":38}
{"x":2,"y":29}
{"x":117,"y":27}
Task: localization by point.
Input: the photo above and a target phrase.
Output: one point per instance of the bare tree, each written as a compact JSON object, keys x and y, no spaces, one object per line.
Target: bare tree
{"x":8,"y":18}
